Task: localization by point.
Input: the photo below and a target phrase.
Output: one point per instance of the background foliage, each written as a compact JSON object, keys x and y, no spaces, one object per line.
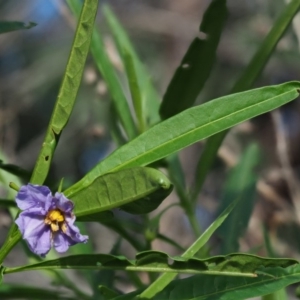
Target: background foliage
{"x":148,"y":64}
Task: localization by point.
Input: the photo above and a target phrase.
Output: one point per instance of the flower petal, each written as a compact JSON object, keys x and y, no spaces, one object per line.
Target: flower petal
{"x":63,"y":203}
{"x":35,"y":232}
{"x":41,"y":243}
{"x":60,"y":242}
{"x":73,"y":232}
{"x":31,"y":196}
{"x":30,"y":223}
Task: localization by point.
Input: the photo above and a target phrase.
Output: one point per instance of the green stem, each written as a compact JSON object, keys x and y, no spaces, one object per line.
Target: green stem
{"x":10,"y":242}
{"x":166,"y":239}
{"x":166,"y":278}
{"x":125,"y":235}
{"x":63,"y":106}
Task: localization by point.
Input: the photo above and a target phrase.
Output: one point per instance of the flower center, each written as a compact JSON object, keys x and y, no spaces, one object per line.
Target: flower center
{"x":56,"y":219}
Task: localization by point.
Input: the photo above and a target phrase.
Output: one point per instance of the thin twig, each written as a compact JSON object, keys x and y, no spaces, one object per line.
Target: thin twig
{"x":287,"y":170}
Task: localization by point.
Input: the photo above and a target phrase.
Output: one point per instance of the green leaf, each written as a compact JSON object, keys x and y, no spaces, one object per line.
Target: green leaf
{"x":146,"y":185}
{"x":13,"y":291}
{"x":279,"y":295}
{"x":107,"y":71}
{"x":244,"y":265}
{"x":135,"y":89}
{"x":107,"y":293}
{"x":197,"y":63}
{"x":7,"y":26}
{"x":103,"y":216}
{"x":150,"y":97}
{"x":1,"y":274}
{"x":63,"y":106}
{"x":114,"y":128}
{"x":267,"y":47}
{"x":16,"y":170}
{"x":68,"y":90}
{"x":241,"y":182}
{"x":7,"y":203}
{"x":245,"y":81}
{"x":206,"y":161}
{"x":190,"y":126}
{"x":165,"y":279}
{"x":213,"y":287}
{"x":122,"y":231}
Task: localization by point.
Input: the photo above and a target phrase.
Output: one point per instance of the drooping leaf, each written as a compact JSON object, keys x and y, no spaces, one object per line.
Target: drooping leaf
{"x":14,"y":291}
{"x":197,"y":63}
{"x":191,"y":126}
{"x":106,"y":69}
{"x":8,"y":26}
{"x":243,"y":265}
{"x":146,"y":185}
{"x":150,"y":97}
{"x":241,"y":182}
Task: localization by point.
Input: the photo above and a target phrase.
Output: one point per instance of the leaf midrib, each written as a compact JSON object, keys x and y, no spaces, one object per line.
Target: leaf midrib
{"x":248,"y":285}
{"x":189,"y":132}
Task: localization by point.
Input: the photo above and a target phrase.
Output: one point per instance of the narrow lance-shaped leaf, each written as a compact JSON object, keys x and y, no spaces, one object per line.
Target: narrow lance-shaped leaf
{"x":150,"y":97}
{"x":63,"y":107}
{"x":135,"y":90}
{"x":1,"y":273}
{"x":16,"y":170}
{"x":244,"y":265}
{"x":241,"y":182}
{"x":14,"y":291}
{"x":197,"y":63}
{"x":146,"y":185}
{"x":191,"y":126}
{"x":214,"y":287}
{"x":245,"y":81}
{"x":8,"y":26}
{"x":68,"y":90}
{"x":161,"y":282}
{"x":107,"y":71}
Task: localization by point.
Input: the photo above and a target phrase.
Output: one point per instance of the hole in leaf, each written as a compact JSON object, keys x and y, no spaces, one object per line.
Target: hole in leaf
{"x":202,"y":36}
{"x":185,"y":66}
{"x":46,"y":157}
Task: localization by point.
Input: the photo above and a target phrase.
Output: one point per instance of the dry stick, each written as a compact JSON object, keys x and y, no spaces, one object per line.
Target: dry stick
{"x":282,"y":151}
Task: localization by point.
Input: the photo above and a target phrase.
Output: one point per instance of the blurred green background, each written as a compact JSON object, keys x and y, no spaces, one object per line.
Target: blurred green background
{"x":32,"y":63}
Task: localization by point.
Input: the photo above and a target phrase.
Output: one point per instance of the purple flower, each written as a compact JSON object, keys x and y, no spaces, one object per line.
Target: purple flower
{"x":47,"y":220}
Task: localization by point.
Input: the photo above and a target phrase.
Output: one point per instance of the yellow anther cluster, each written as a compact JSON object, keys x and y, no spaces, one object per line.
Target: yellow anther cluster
{"x":56,"y":219}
